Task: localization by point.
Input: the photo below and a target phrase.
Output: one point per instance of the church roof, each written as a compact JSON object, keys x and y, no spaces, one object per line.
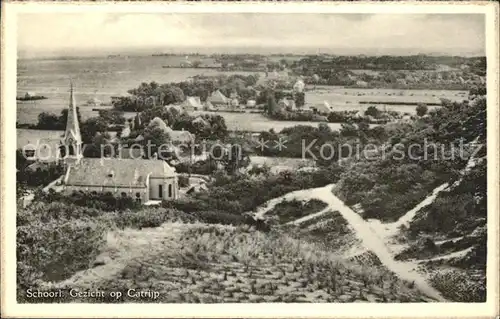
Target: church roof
{"x":116,"y":172}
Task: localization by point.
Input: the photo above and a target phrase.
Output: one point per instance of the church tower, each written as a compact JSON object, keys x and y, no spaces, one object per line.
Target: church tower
{"x":72,"y":141}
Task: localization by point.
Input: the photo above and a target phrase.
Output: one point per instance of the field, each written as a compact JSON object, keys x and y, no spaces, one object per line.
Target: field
{"x":349,"y":98}
{"x":256,"y":122}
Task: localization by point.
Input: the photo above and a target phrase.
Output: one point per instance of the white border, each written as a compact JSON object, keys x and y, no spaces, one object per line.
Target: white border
{"x":458,"y":310}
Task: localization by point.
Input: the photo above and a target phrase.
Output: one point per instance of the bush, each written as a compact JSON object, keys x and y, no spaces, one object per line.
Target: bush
{"x":421,"y":109}
{"x":105,"y":202}
{"x":288,"y":211}
{"x":53,"y":251}
{"x":458,"y":286}
{"x":183,"y":181}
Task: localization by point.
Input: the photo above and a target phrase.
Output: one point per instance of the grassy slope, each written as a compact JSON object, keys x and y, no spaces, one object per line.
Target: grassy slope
{"x":200,"y":263}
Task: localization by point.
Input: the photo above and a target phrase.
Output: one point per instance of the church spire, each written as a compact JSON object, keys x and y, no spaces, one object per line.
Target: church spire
{"x":72,"y":125}
{"x":72,"y":136}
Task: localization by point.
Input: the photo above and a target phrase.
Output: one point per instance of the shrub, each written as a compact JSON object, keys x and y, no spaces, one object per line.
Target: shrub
{"x":421,"y":109}
{"x":53,"y":251}
{"x":458,"y":286}
{"x":295,"y":209}
{"x":183,"y":181}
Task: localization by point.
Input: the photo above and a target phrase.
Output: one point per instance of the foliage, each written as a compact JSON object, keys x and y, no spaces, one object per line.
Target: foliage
{"x":54,"y":249}
{"x":39,"y":177}
{"x":372,"y":111}
{"x":288,"y":211}
{"x":99,"y":201}
{"x":421,"y":109}
{"x":415,"y":162}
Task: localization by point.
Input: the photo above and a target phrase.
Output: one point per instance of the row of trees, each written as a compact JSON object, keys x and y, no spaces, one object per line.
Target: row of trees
{"x":311,"y":64}
{"x":148,"y":95}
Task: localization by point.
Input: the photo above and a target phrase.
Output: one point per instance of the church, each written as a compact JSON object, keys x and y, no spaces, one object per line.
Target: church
{"x":144,"y":180}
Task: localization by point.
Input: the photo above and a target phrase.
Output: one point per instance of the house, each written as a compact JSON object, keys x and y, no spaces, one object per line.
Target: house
{"x":361,"y":83}
{"x":251,"y":103}
{"x":94,"y":102}
{"x":322,"y":108}
{"x":209,"y":106}
{"x":218,"y":99}
{"x":299,"y":86}
{"x":192,"y":103}
{"x":177,"y":137}
{"x":286,"y":104}
{"x":126,"y":130}
{"x":235,"y":103}
{"x":233,"y":95}
{"x":141,"y":179}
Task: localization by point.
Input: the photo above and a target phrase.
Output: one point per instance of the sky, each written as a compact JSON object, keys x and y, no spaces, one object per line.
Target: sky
{"x":454,"y":34}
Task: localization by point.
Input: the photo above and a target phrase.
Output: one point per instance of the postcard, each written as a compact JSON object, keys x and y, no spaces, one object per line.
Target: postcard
{"x":250,"y":160}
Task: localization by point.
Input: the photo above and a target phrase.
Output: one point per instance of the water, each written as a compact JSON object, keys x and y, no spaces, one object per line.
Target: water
{"x":96,"y":77}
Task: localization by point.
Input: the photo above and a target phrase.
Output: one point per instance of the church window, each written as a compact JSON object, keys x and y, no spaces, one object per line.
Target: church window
{"x":169,"y":190}
{"x":160,"y":191}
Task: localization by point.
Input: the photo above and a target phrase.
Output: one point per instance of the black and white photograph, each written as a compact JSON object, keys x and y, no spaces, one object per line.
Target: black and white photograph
{"x":169,"y":157}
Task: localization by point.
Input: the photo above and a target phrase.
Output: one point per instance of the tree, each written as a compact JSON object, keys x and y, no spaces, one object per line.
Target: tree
{"x":372,"y":111}
{"x":421,"y":109}
{"x":112,"y":116}
{"x":300,"y":100}
{"x":154,"y":141}
{"x":196,"y":63}
{"x":48,"y":121}
{"x":173,"y":94}
{"x":91,"y":127}
{"x":272,"y":106}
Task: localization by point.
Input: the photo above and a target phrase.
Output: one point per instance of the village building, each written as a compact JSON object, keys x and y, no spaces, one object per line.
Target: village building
{"x":176,"y":136}
{"x":142,"y":179}
{"x":299,"y":86}
{"x":217,"y":99}
{"x":287,"y":104}
{"x":94,"y":102}
{"x":362,"y":84}
{"x":192,"y":103}
{"x":251,"y":104}
{"x":323,"y":109}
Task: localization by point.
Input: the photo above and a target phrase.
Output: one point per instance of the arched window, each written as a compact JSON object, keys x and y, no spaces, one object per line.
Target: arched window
{"x":170,"y":190}
{"x":138,"y":197}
